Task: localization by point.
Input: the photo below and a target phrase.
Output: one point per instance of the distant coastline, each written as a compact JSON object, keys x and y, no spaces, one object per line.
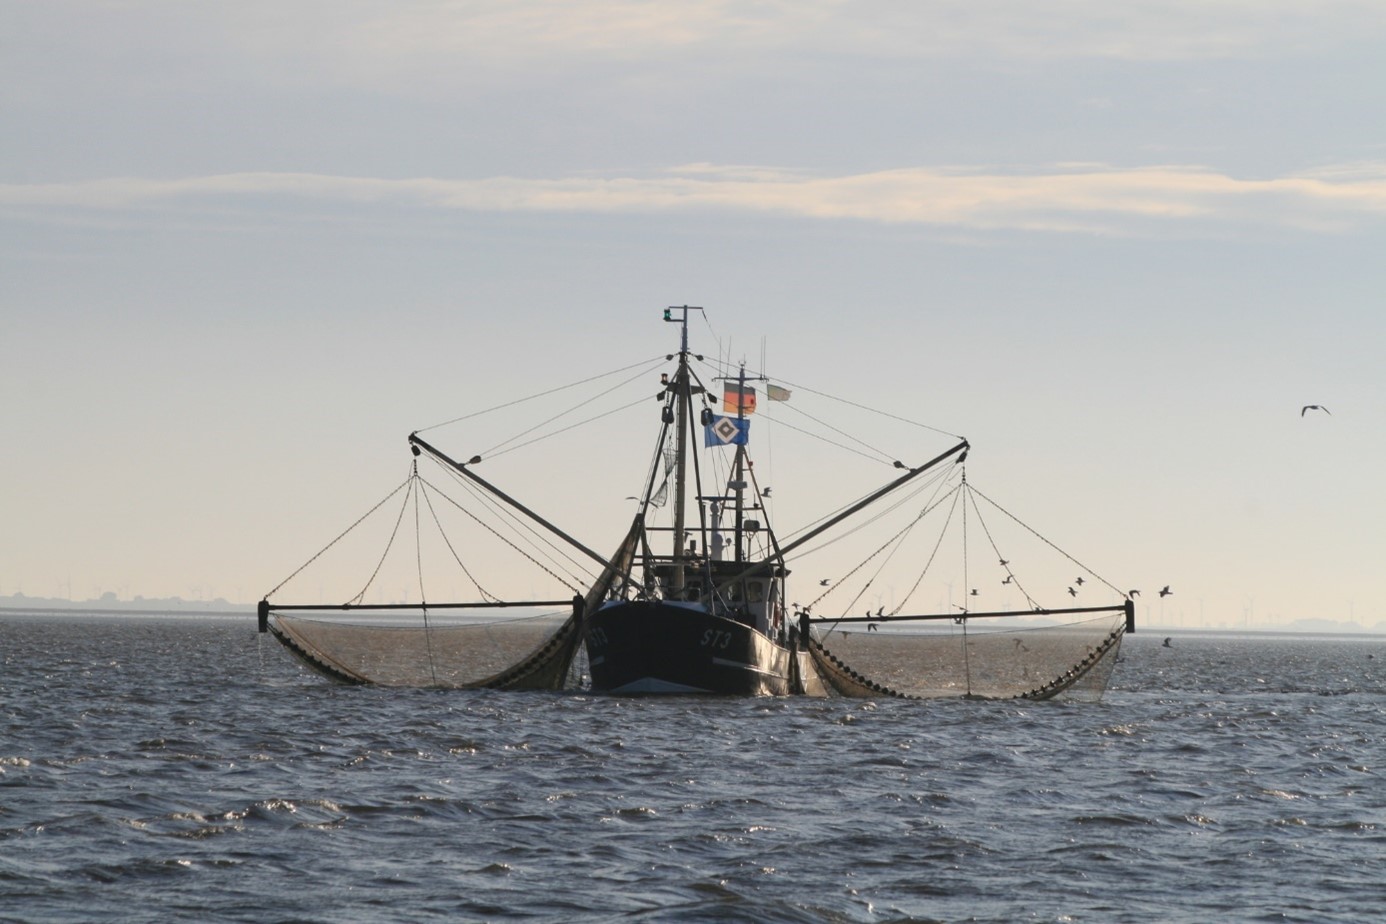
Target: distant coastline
{"x":109,"y":605}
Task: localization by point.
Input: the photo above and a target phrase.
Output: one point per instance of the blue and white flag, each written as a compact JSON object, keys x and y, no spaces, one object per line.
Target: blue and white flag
{"x":727,"y":431}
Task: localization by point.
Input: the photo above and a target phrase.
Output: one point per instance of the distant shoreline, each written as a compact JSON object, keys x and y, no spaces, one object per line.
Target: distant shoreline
{"x":123,"y":611}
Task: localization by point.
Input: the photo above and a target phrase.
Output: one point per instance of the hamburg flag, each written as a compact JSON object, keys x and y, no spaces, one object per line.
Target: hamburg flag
{"x":747,"y":403}
{"x":726,"y":431}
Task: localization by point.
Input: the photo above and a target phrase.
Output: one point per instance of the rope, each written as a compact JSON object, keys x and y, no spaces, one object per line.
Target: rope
{"x":497,"y":449}
{"x":897,"y":540}
{"x":937,"y":545}
{"x":997,"y":551}
{"x":936,"y":480}
{"x":522,"y":527}
{"x":492,"y":531}
{"x":1032,"y":532}
{"x":967,"y":654}
{"x":616,"y":410}
{"x":393,"y":533}
{"x":863,"y":407}
{"x":879,"y":457}
{"x":448,"y":542}
{"x":423,"y":597}
{"x":339,"y":538}
{"x":498,"y":407}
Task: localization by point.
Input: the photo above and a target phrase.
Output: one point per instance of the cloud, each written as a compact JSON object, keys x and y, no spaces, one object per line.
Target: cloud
{"x":423,"y":30}
{"x":1074,"y":197}
{"x":62,"y":48}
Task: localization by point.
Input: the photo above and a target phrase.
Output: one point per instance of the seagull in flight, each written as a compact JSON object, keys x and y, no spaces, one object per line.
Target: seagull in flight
{"x":1314,"y":407}
{"x":1079,"y":582}
{"x":824,"y":583}
{"x":1165,"y":591}
{"x":1072,"y":592}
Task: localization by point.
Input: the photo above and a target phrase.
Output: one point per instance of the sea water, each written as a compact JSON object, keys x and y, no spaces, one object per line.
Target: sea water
{"x":177,"y":769}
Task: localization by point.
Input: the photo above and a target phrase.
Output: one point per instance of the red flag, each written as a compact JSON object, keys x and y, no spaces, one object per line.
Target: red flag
{"x":747,"y":403}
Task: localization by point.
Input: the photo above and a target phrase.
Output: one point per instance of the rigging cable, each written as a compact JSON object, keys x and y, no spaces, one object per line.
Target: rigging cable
{"x":498,"y":450}
{"x":898,"y":536}
{"x":498,"y":407}
{"x":485,"y":594}
{"x":906,"y":420}
{"x":339,"y":538}
{"x":492,"y":530}
{"x":937,"y":545}
{"x":524,"y":529}
{"x":393,"y":533}
{"x":1032,"y":532}
{"x":423,"y":596}
{"x":938,"y":479}
{"x":967,"y":659}
{"x":995,"y":549}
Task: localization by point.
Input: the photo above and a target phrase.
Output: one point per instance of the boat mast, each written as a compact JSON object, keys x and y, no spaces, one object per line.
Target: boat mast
{"x":739,"y":478}
{"x":683,"y":394}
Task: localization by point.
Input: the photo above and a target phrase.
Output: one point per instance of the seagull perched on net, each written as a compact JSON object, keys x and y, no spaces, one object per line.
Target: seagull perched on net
{"x":1314,"y":407}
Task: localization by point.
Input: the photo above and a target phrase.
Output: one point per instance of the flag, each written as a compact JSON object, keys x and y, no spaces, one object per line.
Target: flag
{"x":776,"y":393}
{"x":727,"y":431}
{"x":747,"y":404}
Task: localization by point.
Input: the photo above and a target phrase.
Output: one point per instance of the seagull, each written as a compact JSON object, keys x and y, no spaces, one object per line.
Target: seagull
{"x":1314,"y":407}
{"x":1004,"y":563}
{"x":824,"y":582}
{"x":1072,"y":592}
{"x":1133,"y":593}
{"x":974,"y":591}
{"x":1008,"y":579}
{"x":765,"y":493}
{"x":870,"y":627}
{"x":1079,"y":582}
{"x":1167,"y":644}
{"x":880,"y":614}
{"x":1165,"y":591}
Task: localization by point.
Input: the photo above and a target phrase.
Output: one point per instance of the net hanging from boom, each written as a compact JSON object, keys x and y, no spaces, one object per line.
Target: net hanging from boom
{"x":1037,"y":662}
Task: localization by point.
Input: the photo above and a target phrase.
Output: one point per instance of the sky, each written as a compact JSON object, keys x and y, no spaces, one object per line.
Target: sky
{"x":246,"y":248}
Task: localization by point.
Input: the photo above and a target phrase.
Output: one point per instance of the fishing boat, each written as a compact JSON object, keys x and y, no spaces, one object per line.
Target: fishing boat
{"x":695,"y":598}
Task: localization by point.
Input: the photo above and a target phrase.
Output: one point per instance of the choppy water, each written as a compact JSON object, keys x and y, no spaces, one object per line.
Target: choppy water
{"x":165,"y":769}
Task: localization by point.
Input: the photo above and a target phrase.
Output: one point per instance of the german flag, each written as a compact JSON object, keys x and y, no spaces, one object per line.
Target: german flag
{"x":746,"y":395}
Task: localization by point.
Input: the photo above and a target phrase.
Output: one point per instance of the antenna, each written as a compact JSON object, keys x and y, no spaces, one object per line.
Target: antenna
{"x":681,"y":319}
